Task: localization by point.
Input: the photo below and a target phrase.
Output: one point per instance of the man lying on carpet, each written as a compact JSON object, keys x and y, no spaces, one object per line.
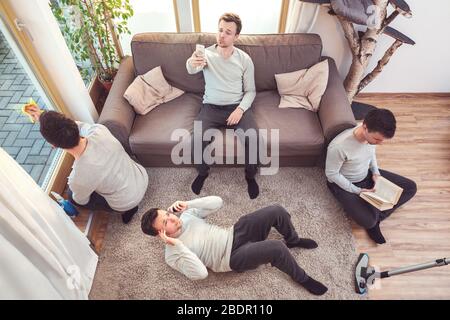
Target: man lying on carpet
{"x":103,"y":176}
{"x":192,"y":244}
{"x":351,"y":168}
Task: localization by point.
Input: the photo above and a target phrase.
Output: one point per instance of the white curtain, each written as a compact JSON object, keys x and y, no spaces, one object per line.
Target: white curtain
{"x":43,"y":255}
{"x":302,"y":17}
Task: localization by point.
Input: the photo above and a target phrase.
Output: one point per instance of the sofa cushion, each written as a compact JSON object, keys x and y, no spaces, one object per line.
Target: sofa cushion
{"x":303,"y":88}
{"x":271,"y":54}
{"x":149,"y":91}
{"x":151,"y":132}
{"x":300,"y":132}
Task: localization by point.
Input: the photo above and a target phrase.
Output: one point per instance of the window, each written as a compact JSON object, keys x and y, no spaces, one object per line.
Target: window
{"x":20,"y":138}
{"x":149,"y":16}
{"x":68,"y":18}
{"x":258,"y":16}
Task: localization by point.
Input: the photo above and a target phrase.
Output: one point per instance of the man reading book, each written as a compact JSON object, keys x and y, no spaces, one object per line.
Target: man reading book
{"x":351,"y":168}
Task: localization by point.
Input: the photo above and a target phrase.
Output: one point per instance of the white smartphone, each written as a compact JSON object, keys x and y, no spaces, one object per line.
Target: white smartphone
{"x":200,"y":50}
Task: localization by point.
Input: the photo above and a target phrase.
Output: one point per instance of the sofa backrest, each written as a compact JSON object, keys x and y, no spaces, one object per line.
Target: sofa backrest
{"x":271,"y":54}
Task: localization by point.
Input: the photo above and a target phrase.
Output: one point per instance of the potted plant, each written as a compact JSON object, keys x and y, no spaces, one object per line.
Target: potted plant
{"x":91,"y":29}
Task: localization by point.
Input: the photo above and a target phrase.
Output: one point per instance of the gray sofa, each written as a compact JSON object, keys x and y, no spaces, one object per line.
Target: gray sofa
{"x":303,"y":134}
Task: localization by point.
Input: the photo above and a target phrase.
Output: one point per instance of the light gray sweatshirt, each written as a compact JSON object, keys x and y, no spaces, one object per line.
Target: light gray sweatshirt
{"x":348,"y":161}
{"x":227,"y":81}
{"x":106,"y":168}
{"x":200,"y":245}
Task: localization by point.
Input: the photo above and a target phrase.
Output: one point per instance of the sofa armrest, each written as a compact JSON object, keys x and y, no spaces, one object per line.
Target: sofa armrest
{"x":335,"y":112}
{"x":117,"y":114}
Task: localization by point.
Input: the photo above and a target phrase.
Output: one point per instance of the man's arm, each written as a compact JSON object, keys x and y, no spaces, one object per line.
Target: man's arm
{"x":81,"y":194}
{"x":334,"y":162}
{"x":248,"y":85}
{"x":202,"y":207}
{"x":374,"y":165}
{"x":180,"y":258}
{"x":195,"y":63}
{"x":83,"y":128}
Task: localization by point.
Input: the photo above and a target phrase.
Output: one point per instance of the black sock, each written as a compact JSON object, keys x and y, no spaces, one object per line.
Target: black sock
{"x":127,"y":215}
{"x":197,"y":185}
{"x":253,"y":188}
{"x":315,"y":287}
{"x":376,"y":235}
{"x":302,"y":243}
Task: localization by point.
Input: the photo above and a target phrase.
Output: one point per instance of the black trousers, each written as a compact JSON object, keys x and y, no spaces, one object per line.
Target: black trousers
{"x":96,"y":202}
{"x":213,"y":116}
{"x":362,"y":212}
{"x":251,"y":249}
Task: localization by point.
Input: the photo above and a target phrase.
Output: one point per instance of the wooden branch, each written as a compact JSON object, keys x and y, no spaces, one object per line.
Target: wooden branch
{"x":388,"y":20}
{"x":368,"y":44}
{"x":381,"y":63}
{"x":351,"y":35}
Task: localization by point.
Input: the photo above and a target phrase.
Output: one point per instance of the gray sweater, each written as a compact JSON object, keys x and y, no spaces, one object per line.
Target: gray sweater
{"x":200,"y":245}
{"x":348,"y":161}
{"x":227,"y":81}
{"x":107,"y":169}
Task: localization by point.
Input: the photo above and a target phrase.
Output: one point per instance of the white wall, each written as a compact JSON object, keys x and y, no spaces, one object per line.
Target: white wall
{"x":424,"y":67}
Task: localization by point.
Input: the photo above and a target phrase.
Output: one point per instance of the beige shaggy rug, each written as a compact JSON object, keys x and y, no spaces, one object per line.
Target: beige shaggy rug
{"x":131,"y":264}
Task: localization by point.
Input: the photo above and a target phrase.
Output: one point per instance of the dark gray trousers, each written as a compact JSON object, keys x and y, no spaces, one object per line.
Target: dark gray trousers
{"x":213,"y":116}
{"x":362,"y":212}
{"x":96,"y":202}
{"x":251,"y":249}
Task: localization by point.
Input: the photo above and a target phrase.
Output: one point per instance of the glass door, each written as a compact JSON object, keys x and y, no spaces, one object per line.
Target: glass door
{"x":19,"y":137}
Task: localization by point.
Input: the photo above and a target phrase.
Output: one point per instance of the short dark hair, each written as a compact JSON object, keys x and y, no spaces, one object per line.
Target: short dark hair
{"x":232,"y":17}
{"x":381,"y":121}
{"x":147,"y":221}
{"x":59,"y":130}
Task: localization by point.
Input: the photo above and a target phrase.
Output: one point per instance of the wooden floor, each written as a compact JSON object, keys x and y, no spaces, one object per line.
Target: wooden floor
{"x":420,"y":230}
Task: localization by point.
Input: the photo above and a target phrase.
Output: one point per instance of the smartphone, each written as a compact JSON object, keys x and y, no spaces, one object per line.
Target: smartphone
{"x":200,"y":50}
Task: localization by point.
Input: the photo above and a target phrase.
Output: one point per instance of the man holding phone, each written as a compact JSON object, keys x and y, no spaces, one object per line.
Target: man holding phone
{"x":193,"y":245}
{"x":229,"y":93}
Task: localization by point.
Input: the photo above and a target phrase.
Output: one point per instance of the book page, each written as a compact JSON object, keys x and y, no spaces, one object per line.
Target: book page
{"x":387,"y":190}
{"x":375,"y":198}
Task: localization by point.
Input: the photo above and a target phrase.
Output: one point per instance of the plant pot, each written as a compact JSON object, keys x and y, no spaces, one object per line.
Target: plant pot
{"x":106,"y":84}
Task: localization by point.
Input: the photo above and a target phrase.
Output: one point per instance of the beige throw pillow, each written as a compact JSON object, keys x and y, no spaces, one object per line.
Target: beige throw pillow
{"x":303,"y":88}
{"x":150,"y":90}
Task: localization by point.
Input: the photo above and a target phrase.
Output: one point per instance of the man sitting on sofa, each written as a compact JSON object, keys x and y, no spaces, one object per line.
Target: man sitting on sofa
{"x":103,"y":176}
{"x":192,"y":245}
{"x":351,"y":168}
{"x":229,"y":93}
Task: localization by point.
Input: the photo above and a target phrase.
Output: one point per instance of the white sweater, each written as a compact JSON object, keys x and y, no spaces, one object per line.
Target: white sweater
{"x":227,"y":81}
{"x":201,"y":245}
{"x":107,"y":169}
{"x":348,"y":161}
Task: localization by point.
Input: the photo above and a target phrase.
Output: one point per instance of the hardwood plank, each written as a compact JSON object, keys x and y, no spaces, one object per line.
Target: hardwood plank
{"x":419,"y":231}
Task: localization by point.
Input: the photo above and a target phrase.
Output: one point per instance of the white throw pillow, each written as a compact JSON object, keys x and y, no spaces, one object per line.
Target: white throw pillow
{"x":149,"y":91}
{"x":303,"y":88}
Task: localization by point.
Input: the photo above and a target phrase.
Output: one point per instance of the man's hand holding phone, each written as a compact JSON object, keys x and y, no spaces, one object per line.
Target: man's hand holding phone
{"x":178,"y":207}
{"x":198,"y":58}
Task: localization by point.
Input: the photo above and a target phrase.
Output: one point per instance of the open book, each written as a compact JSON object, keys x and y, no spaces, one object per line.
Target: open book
{"x":386,"y":194}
